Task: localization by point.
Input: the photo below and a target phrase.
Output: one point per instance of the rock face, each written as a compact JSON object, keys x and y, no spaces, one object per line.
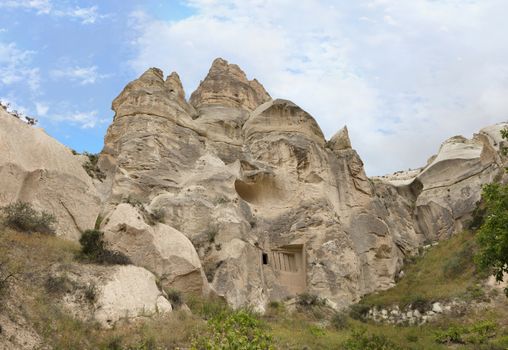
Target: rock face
{"x":449,"y":187}
{"x":36,"y":168}
{"x":271,"y":208}
{"x":227,"y":85}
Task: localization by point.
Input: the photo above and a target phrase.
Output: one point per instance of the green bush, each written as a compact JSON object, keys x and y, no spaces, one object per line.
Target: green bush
{"x":339,"y":321}
{"x":492,"y":237}
{"x":360,"y":340}
{"x":175,"y":297}
{"x":420,"y":303}
{"x":238,"y":330}
{"x":309,"y":300}
{"x":22,"y":216}
{"x":93,"y":248}
{"x":92,"y":168}
{"x":454,"y":267}
{"x":477,"y":333}
{"x":359,"y":311}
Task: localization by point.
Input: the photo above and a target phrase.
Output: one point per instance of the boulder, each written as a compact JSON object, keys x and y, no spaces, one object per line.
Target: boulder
{"x":108,"y":294}
{"x":159,"y":248}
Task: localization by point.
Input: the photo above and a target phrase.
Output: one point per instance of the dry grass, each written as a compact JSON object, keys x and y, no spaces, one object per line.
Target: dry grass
{"x":31,"y":255}
{"x":444,"y":272}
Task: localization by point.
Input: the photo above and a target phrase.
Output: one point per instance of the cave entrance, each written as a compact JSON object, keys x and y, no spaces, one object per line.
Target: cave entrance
{"x":288,"y":263}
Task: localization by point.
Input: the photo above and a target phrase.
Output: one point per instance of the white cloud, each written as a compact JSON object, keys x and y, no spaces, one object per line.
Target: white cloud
{"x":41,"y":6}
{"x":86,"y":15}
{"x":41,"y":109}
{"x":84,"y":119}
{"x":403,"y":76}
{"x":15,"y":67}
{"x":82,"y":75}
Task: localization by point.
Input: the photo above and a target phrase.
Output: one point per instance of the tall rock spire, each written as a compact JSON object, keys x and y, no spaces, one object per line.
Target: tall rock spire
{"x":227,"y":85}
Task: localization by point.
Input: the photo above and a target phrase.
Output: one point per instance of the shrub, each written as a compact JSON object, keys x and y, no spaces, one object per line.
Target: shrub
{"x":157,"y":215}
{"x":339,"y":321}
{"x":175,"y":297}
{"x":92,"y":168}
{"x":309,"y":300}
{"x":420,"y":303}
{"x":234,"y":330}
{"x":359,"y":311}
{"x":492,"y":236}
{"x":360,"y":340}
{"x":454,"y":267}
{"x":477,"y":333}
{"x":22,"y":216}
{"x":93,"y":248}
{"x":274,"y":304}
{"x":91,"y":293}
{"x":453,"y":334}
{"x":58,"y":285}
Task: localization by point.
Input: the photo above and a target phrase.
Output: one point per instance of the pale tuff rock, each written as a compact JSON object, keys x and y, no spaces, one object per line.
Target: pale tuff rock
{"x":161,"y":249}
{"x":271,"y":208}
{"x":129,"y":292}
{"x":340,"y":140}
{"x":108,"y":294}
{"x":227,"y":85}
{"x":36,"y":168}
{"x":448,"y":189}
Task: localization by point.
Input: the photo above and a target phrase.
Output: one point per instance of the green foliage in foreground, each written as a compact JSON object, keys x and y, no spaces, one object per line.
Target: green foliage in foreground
{"x":234,"y":330}
{"x":477,"y":333}
{"x":23,"y":217}
{"x":493,"y":234}
{"x":360,"y":340}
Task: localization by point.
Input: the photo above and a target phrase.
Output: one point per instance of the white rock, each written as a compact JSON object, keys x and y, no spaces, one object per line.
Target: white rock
{"x":436,"y":307}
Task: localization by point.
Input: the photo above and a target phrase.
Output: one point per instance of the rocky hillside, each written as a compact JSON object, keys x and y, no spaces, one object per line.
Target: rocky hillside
{"x":236,"y":195}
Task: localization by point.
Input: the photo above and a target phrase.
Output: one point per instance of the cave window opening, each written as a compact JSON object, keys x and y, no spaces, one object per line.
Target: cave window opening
{"x":265,"y":259}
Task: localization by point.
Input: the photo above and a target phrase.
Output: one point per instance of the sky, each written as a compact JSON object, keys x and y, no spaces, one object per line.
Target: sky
{"x":402,"y":75}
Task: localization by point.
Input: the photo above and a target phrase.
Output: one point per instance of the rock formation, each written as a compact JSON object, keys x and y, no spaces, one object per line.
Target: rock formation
{"x":448,"y":189}
{"x":271,"y":208}
{"x":240,"y":195}
{"x":36,"y":168}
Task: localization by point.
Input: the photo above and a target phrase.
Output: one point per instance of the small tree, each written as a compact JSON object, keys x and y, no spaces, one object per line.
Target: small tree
{"x":493,"y":233}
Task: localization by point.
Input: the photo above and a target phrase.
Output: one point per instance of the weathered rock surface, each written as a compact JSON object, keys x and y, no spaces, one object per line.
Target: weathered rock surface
{"x":159,"y":248}
{"x":270,"y":206}
{"x":35,"y":168}
{"x":448,"y":189}
{"x":227,"y":85}
{"x":108,"y":294}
